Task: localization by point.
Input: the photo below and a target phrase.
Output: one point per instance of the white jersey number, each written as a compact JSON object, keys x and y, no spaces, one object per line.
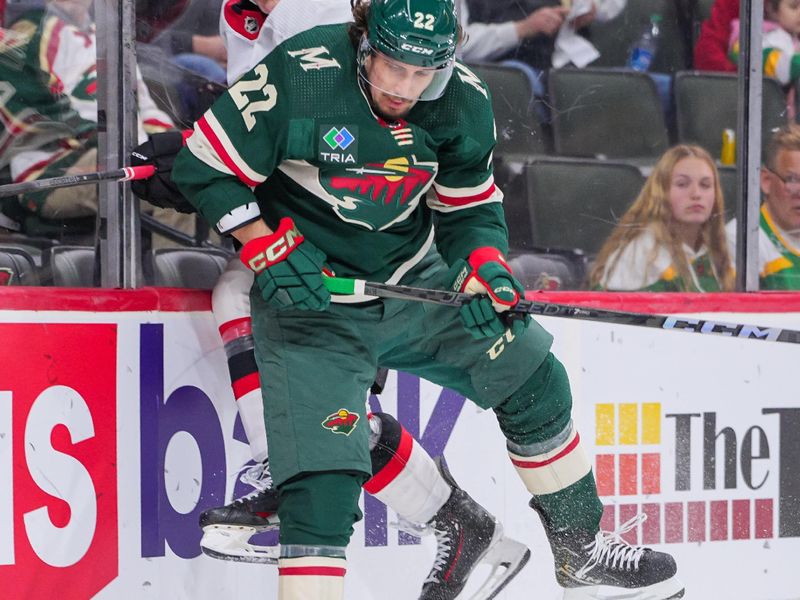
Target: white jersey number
{"x":423,"y":21}
{"x":249,"y":107}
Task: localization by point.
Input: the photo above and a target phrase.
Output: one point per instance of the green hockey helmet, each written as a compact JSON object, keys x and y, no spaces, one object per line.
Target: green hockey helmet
{"x":415,"y":32}
{"x":421,"y":33}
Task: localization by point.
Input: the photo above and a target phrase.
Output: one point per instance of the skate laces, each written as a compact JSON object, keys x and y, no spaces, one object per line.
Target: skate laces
{"x":257,"y":476}
{"x":444,"y":544}
{"x":611,"y":550}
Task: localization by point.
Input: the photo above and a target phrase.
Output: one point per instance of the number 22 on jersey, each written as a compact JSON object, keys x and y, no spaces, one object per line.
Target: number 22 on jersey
{"x":239,"y":92}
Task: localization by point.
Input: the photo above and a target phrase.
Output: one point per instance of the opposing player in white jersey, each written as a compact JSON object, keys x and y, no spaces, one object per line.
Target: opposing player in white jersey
{"x":404,"y":476}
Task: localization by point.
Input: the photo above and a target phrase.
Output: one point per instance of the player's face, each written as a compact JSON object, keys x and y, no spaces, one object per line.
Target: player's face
{"x":691,"y":191}
{"x":781,"y":187}
{"x":395,"y":87}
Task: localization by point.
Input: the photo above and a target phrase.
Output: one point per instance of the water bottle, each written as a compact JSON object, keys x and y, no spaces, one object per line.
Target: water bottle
{"x":644,"y":50}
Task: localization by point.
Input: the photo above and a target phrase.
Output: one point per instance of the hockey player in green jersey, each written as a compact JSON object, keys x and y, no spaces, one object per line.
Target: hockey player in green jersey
{"x":366,"y":150}
{"x":779,"y":225}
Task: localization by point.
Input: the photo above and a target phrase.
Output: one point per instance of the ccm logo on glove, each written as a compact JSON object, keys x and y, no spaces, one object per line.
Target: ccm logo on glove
{"x":280,"y":243}
{"x":490,"y":274}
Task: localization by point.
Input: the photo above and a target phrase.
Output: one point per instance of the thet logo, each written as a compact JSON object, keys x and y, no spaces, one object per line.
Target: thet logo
{"x":677,"y":513}
{"x":58,"y":447}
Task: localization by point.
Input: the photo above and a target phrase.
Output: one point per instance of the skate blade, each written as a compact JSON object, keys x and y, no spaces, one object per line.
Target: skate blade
{"x":225,"y":542}
{"x":670,"y":589}
{"x":507,"y":557}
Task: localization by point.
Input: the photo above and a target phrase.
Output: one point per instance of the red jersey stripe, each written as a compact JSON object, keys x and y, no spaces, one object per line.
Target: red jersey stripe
{"x":312,"y":571}
{"x":532,"y":464}
{"x":465,"y":200}
{"x":222,"y":153}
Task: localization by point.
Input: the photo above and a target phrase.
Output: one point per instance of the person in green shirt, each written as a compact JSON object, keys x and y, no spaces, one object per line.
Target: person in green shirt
{"x":365,"y":150}
{"x":672,"y":238}
{"x":779,"y":225}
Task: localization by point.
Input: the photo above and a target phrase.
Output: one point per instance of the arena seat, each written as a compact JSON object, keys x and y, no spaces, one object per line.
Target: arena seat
{"x":68,"y":266}
{"x":17,"y":267}
{"x":196,"y":268}
{"x":548,"y":270}
{"x":518,"y":129}
{"x":607,"y":113}
{"x":702,"y":121}
{"x":575,"y":203}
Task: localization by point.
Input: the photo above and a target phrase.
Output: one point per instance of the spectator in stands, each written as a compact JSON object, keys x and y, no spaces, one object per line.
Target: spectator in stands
{"x":525,"y":34}
{"x":488,"y":41}
{"x":711,"y":49}
{"x":779,"y":228}
{"x":52,"y":117}
{"x":672,"y":239}
{"x":543,"y":19}
{"x":780,"y":41}
{"x":193,"y":42}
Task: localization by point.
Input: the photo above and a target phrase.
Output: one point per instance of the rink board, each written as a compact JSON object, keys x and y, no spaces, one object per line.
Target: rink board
{"x":117,"y":428}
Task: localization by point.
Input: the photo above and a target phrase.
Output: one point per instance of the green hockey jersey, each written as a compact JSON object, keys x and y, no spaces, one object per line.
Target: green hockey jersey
{"x":644,"y":265}
{"x":297,"y":137}
{"x":778,"y":257}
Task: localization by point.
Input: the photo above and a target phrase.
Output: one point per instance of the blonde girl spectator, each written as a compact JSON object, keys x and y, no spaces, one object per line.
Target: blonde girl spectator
{"x":672,"y":239}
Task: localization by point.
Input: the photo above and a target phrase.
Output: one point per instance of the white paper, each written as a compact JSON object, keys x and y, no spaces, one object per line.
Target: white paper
{"x":578,"y":8}
{"x":573,"y":48}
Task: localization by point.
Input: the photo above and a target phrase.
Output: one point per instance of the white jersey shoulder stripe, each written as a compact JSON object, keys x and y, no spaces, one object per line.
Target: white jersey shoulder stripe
{"x":435,"y":202}
{"x":463,"y":192}
{"x":449,"y":199}
{"x":203,"y":151}
{"x":220,"y":144}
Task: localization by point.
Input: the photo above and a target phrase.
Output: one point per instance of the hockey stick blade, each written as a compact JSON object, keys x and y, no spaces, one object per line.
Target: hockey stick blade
{"x":37,"y":185}
{"x":339,"y":285}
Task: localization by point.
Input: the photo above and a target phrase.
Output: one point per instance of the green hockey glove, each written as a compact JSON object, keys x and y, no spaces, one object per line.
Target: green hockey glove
{"x":488,"y":277}
{"x":288,"y":268}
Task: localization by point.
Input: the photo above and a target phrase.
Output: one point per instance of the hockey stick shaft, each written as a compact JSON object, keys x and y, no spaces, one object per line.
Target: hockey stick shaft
{"x":339,"y":285}
{"x":37,"y":185}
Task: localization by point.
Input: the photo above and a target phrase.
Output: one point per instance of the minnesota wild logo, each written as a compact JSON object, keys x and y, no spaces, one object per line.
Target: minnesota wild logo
{"x":87,"y":86}
{"x":342,"y":421}
{"x":377,"y":195}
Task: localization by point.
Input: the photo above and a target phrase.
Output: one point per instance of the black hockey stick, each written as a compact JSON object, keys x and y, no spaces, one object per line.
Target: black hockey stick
{"x":124,"y":174}
{"x":339,"y":285}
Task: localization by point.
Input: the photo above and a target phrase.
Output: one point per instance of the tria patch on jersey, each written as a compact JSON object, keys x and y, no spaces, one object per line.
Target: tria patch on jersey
{"x":338,"y":144}
{"x":342,"y":421}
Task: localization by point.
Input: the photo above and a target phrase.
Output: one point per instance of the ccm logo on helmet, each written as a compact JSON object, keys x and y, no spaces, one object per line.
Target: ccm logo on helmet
{"x":276,"y":251}
{"x":416,"y":49}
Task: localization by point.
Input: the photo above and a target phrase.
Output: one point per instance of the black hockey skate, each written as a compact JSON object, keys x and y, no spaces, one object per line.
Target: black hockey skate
{"x":467,"y":535}
{"x":603,"y":566}
{"x":228,"y":529}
